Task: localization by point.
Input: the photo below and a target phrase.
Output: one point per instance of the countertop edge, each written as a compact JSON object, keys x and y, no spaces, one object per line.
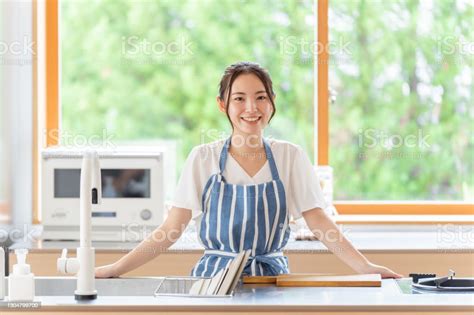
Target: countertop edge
{"x":257,"y":308}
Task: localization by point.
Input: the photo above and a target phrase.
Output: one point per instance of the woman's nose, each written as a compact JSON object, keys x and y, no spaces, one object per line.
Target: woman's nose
{"x":250,"y":105}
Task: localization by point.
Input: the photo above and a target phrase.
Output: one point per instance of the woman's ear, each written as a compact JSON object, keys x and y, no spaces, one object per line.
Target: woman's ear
{"x":220,"y":104}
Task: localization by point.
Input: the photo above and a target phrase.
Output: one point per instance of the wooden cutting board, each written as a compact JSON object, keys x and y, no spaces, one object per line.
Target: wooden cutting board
{"x":273,"y":279}
{"x":367,"y":280}
{"x":259,"y":279}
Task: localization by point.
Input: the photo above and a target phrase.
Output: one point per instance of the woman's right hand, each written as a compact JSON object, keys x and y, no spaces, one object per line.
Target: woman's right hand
{"x":107,"y":271}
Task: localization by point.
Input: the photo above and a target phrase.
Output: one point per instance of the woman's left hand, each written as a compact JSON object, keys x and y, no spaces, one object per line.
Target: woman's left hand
{"x":383,"y":271}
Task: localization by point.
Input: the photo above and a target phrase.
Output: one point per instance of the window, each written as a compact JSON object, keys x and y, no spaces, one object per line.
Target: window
{"x":131,"y":46}
{"x":134,"y":70}
{"x":401,"y":117}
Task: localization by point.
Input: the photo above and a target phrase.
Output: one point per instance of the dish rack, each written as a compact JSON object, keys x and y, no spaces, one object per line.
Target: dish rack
{"x":180,"y":286}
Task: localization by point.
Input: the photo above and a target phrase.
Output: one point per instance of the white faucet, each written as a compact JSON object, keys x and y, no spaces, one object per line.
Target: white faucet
{"x":84,"y":263}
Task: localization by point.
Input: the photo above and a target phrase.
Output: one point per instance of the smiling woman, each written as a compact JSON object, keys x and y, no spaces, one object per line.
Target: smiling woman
{"x":246,"y":206}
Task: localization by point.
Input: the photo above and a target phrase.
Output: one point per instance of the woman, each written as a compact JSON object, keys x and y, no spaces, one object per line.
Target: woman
{"x":242,"y":190}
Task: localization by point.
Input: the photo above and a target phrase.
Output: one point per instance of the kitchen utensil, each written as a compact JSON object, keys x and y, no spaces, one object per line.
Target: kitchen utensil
{"x":181,"y":286}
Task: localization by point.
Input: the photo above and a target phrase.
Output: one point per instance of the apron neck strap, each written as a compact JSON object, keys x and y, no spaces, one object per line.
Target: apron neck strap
{"x":268,"y":152}
{"x":223,"y":157}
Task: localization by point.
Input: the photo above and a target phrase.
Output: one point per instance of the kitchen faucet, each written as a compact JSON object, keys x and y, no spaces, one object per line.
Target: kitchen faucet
{"x":84,"y":263}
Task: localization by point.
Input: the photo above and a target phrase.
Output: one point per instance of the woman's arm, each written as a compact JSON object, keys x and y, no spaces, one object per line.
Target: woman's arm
{"x":158,"y":241}
{"x":328,"y":232}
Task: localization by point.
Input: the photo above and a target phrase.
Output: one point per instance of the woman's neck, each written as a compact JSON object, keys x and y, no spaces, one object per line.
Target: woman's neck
{"x":246,"y":144}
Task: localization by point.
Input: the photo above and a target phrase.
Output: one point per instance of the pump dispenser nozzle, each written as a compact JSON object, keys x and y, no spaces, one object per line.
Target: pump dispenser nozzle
{"x":21,"y":255}
{"x":21,"y":267}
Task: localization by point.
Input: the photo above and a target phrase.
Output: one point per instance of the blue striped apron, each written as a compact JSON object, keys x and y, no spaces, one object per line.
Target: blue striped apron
{"x":241,"y":217}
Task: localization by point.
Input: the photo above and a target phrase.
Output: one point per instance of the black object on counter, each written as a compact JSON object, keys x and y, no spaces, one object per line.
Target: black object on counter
{"x":445,"y":284}
{"x":417,"y":276}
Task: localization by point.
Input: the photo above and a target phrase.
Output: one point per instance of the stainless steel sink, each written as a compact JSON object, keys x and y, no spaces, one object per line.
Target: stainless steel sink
{"x":65,"y":286}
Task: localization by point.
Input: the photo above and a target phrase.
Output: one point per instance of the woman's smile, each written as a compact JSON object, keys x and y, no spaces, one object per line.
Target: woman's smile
{"x":251,"y":119}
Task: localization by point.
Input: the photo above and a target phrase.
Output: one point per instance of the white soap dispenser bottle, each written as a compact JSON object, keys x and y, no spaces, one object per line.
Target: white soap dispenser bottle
{"x":21,"y":283}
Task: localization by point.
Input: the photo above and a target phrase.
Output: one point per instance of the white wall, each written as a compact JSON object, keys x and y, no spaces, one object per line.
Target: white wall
{"x":16,"y":105}
{"x":3,"y":159}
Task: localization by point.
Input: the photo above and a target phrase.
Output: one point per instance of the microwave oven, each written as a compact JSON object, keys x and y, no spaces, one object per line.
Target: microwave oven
{"x":132,"y":194}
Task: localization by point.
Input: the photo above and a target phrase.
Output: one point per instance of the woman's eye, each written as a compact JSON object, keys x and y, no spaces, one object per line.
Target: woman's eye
{"x":238,"y":99}
{"x":261,"y":98}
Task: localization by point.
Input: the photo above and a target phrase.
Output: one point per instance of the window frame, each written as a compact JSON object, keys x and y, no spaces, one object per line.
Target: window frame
{"x":321,"y":122}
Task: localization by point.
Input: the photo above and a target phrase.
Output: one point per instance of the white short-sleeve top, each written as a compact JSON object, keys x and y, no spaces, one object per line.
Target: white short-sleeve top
{"x":302,"y":188}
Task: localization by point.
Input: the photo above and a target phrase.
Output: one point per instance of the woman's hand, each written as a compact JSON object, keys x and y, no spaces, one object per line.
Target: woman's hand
{"x":383,"y":271}
{"x":107,"y":271}
{"x":328,"y":232}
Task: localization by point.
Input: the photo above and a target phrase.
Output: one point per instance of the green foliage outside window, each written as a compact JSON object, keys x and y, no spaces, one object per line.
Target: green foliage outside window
{"x":149,"y":70}
{"x":402,"y":121}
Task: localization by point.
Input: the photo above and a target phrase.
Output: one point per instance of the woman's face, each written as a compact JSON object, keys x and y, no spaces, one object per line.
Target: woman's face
{"x":250,"y":108}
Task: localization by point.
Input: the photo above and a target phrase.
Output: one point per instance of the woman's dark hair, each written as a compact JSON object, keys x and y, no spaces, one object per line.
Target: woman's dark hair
{"x":244,"y":67}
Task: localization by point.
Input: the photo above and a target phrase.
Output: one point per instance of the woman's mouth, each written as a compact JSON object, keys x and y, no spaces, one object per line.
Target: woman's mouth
{"x":251,"y":119}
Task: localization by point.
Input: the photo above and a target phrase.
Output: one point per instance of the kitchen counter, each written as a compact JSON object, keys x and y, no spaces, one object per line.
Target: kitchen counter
{"x":382,"y":239}
{"x":399,"y":245}
{"x":403,"y":249}
{"x":259,"y":297}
